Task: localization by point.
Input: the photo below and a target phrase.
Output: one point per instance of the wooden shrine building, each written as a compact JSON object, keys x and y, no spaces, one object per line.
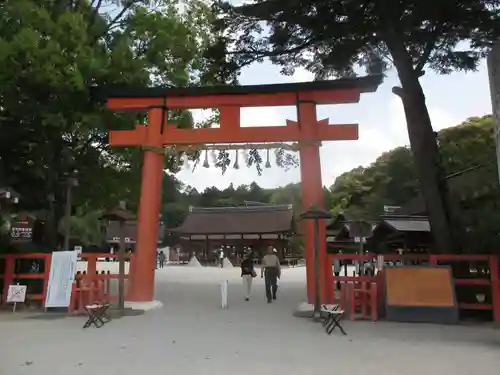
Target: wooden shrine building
{"x":236,"y":230}
{"x":401,"y":233}
{"x":390,"y":233}
{"x":130,"y":233}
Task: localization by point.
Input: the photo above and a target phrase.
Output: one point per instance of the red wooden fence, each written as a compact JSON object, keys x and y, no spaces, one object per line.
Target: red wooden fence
{"x":363,"y":295}
{"x":89,"y":286}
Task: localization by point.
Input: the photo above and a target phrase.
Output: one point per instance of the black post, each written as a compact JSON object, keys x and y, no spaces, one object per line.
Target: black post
{"x":67,"y":215}
{"x":315,"y":213}
{"x":121,"y":269}
{"x":361,"y":261}
{"x":317,"y":303}
{"x":71,"y":182}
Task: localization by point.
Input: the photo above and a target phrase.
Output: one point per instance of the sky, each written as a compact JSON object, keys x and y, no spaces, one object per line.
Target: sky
{"x":450,"y":99}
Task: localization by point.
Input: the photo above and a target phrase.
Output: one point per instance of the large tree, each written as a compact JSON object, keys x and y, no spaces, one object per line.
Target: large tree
{"x":332,"y":37}
{"x":51,"y":51}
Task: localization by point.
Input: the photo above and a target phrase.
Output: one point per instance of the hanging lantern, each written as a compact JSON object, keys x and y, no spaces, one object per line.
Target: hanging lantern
{"x":236,"y":164}
{"x":268,"y":163}
{"x":205,"y":163}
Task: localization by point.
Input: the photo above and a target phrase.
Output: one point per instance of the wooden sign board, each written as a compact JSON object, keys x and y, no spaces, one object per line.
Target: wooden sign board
{"x":21,"y":230}
{"x":16,"y":293}
{"x":420,"y":294}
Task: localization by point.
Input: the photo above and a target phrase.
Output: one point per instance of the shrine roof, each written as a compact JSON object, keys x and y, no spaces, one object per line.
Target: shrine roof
{"x":129,"y":230}
{"x":405,"y":223}
{"x":365,"y":84}
{"x":259,"y":219}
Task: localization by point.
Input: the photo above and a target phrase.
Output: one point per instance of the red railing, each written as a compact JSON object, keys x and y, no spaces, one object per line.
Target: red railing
{"x":92,"y":286}
{"x":9,"y":274}
{"x":362,"y":296}
{"x":89,"y":285}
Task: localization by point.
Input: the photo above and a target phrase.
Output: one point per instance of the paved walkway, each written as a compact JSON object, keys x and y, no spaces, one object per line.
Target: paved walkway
{"x":191,"y":335}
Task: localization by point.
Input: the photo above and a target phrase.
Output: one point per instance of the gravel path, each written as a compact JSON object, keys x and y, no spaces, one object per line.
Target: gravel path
{"x":191,"y":335}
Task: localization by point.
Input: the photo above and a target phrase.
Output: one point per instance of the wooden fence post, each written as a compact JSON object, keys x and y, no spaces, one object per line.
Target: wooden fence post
{"x":47,"y":261}
{"x":495,"y":288}
{"x":8,"y":277}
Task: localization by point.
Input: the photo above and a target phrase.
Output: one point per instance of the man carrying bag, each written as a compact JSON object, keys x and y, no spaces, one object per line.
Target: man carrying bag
{"x":271,"y":270}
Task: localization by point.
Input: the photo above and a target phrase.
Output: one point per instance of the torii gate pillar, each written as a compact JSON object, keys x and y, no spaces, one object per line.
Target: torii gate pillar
{"x":312,"y":194}
{"x":142,"y":274}
{"x":307,"y":131}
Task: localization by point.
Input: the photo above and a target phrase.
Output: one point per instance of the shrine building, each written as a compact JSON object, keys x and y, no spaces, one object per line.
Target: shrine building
{"x":236,"y":230}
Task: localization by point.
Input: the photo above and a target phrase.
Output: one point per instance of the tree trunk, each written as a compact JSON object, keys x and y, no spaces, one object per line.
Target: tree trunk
{"x":425,"y":150}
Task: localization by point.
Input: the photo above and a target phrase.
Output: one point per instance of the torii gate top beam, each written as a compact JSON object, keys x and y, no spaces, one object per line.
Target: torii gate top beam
{"x":229,"y":99}
{"x":344,"y":90}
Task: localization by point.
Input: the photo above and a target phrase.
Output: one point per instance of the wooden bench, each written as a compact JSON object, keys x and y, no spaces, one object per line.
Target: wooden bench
{"x":97,"y":315}
{"x":332,"y":318}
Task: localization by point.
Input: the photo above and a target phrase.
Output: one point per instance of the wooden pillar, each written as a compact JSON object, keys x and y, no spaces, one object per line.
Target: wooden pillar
{"x":142,"y":286}
{"x":312,"y":193}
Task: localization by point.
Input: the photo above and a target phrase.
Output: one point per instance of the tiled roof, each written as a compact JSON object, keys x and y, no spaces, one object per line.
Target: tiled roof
{"x":407,"y":223}
{"x":237,"y":220}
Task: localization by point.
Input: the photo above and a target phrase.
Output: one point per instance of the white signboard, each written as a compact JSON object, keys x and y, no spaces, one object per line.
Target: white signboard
{"x":62,"y":275}
{"x":359,"y":239}
{"x":78,"y":249}
{"x":16,"y":293}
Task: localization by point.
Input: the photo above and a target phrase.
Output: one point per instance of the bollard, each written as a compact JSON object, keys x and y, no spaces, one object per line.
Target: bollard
{"x":223,"y":292}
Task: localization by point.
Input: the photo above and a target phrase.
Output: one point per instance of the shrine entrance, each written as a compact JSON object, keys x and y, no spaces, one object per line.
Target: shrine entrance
{"x":307,"y":131}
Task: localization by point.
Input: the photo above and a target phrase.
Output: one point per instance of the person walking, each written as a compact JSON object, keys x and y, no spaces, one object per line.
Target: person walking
{"x":271,"y":270}
{"x":247,"y":274}
{"x":161,"y":258}
{"x":221,"y":258}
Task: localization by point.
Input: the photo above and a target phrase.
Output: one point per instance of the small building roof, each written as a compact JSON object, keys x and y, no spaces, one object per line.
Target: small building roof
{"x":404,"y":223}
{"x":129,"y":230}
{"x":237,"y":220}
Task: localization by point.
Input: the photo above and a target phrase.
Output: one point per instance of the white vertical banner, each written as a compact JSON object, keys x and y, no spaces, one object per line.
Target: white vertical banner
{"x":61,"y":278}
{"x":223,"y":293}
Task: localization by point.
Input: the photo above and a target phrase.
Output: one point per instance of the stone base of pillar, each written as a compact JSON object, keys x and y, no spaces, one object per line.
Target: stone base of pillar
{"x":305,"y":310}
{"x":145,"y":306}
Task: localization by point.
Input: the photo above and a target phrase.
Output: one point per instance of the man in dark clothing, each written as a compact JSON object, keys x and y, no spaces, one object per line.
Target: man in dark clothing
{"x":161,"y":258}
{"x":247,"y":274}
{"x":272,"y":270}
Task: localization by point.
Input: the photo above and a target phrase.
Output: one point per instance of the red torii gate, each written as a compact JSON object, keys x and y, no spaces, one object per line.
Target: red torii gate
{"x":308,"y":131}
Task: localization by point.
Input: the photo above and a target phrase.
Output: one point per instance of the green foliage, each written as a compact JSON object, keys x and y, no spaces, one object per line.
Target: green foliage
{"x":391,"y":180}
{"x":50,"y":53}
{"x":331,"y":38}
{"x":85,"y":226}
